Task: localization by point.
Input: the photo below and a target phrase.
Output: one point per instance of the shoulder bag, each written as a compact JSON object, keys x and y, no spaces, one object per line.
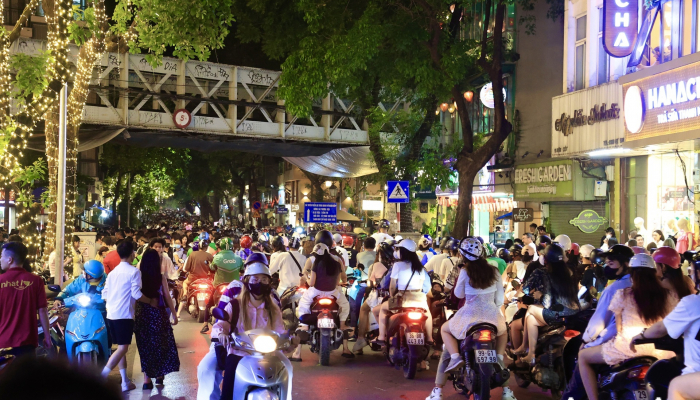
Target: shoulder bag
{"x":396,"y":301}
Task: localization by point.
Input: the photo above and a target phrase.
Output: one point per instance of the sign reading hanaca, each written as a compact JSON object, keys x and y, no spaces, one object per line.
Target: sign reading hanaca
{"x":620,"y":26}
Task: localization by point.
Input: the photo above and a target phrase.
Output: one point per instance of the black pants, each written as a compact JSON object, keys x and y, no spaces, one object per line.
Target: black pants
{"x":230,"y":376}
{"x":23,"y":351}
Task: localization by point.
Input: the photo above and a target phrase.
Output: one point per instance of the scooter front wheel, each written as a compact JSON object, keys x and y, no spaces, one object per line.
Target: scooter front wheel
{"x":86,"y":359}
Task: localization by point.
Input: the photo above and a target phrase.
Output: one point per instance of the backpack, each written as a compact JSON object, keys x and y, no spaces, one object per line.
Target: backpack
{"x":386,"y":280}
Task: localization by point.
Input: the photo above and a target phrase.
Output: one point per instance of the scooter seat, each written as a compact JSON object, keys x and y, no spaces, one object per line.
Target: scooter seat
{"x":632,"y":362}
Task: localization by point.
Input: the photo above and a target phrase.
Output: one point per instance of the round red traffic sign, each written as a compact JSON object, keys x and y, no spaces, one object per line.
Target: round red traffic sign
{"x":182,"y":118}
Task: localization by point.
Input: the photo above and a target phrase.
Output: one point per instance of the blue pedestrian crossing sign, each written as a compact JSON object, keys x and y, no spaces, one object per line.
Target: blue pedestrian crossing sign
{"x":324,"y":213}
{"x":397,"y":192}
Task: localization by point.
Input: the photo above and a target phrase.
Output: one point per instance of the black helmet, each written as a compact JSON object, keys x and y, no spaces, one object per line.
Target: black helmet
{"x":516,"y":250}
{"x":598,"y":256}
{"x":324,"y":237}
{"x":278,"y":243}
{"x":503,"y":254}
{"x":386,"y":252}
{"x":445,"y":241}
{"x":553,"y":253}
{"x":452,"y":245}
{"x":544,"y":241}
{"x":294,"y":242}
{"x":384,"y":223}
{"x":620,"y":253}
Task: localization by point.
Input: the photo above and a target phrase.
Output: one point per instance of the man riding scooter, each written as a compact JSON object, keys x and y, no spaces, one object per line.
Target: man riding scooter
{"x":92,"y":280}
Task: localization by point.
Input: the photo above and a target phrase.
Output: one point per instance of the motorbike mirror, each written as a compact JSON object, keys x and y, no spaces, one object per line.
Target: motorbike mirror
{"x":219,"y":314}
{"x":54,"y":288}
{"x":557,"y":308}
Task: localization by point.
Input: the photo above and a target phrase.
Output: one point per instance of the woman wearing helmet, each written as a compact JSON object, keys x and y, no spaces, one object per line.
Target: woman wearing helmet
{"x":636,"y":308}
{"x":425,"y":251}
{"x":326,"y":271}
{"x":93,"y":278}
{"x":449,"y":270}
{"x":377,"y":271}
{"x":516,"y":269}
{"x":549,"y":286}
{"x":257,"y":310}
{"x":480,"y":286}
{"x":668,"y":269}
{"x":410,"y":278}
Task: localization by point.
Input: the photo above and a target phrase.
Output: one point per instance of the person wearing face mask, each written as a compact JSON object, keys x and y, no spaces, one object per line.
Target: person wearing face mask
{"x":602,"y":327}
{"x":178,"y":253}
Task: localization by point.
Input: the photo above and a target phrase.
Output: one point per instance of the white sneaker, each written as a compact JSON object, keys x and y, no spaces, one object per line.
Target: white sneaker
{"x":128,"y":385}
{"x":508,"y":394}
{"x":454,"y":364}
{"x":436,"y":394}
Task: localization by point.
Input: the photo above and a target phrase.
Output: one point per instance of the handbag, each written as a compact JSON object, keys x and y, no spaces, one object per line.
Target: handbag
{"x":396,"y":301}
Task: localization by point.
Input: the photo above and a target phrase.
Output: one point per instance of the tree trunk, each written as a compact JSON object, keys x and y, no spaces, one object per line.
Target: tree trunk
{"x":205,"y":208}
{"x":216,"y":214}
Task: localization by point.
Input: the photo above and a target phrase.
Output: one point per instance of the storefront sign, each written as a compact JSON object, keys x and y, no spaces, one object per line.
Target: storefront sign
{"x":663,"y":104}
{"x":486,"y":95}
{"x":619,"y":26}
{"x":594,"y":125}
{"x":544,"y":181}
{"x":523,"y":214}
{"x":588,"y":221}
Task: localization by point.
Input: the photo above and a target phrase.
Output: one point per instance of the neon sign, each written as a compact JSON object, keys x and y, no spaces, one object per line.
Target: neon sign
{"x":620,"y":22}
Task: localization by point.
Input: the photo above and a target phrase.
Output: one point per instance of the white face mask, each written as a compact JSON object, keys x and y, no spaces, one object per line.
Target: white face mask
{"x":608,"y":236}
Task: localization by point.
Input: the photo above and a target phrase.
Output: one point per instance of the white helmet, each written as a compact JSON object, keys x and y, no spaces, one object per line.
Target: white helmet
{"x":564,"y":241}
{"x":256,"y":268}
{"x":471,"y":248}
{"x":407,"y":244}
{"x":338,"y":239}
{"x":425,"y":240}
{"x":586,"y":250}
{"x":398,"y":238}
{"x":642,"y":260}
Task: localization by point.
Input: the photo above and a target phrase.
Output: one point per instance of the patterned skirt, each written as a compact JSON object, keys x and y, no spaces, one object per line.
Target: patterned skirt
{"x":477,"y":309}
{"x":155,"y":341}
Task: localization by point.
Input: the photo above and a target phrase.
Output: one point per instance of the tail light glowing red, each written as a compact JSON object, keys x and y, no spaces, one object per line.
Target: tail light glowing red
{"x":325,"y":302}
{"x":203,"y":286}
{"x":415,"y":315}
{"x":484,"y":336}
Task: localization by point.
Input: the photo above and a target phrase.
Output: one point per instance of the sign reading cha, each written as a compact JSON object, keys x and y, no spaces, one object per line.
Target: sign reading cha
{"x":620,"y":22}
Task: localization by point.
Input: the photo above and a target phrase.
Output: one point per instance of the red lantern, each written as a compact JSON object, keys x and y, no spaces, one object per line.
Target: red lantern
{"x":468,"y":96}
{"x":444,"y":107}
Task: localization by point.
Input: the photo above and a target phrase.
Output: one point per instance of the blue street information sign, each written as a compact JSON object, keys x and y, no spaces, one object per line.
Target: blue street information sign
{"x":324,"y":213}
{"x":398,"y":192}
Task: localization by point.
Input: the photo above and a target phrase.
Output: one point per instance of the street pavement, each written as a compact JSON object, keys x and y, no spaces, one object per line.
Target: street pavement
{"x":364,"y":377}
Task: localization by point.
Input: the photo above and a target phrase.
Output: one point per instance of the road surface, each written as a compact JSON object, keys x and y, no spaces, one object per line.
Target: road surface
{"x":364,"y":377}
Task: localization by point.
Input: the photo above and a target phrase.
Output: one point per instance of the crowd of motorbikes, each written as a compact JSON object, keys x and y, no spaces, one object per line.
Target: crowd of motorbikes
{"x":78,"y":330}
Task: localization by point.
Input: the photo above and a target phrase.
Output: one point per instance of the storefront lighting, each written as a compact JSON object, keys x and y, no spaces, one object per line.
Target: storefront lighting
{"x":437,"y":112}
{"x":451,"y":109}
{"x":608,"y":152}
{"x":328,"y":184}
{"x":469,"y":96}
{"x":444,"y":107}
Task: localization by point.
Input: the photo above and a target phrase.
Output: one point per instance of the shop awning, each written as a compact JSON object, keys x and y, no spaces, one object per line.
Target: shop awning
{"x":349,"y":162}
{"x":347,"y":217}
{"x":506,"y":216}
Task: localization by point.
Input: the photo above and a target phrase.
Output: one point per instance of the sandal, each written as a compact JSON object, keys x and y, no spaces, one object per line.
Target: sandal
{"x":295,"y":359}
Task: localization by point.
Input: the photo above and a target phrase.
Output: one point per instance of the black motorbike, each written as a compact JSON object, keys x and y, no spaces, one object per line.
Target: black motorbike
{"x":552,"y":368}
{"x":481,"y":371}
{"x":661,"y":373}
{"x":324,"y":332}
{"x":406,"y":346}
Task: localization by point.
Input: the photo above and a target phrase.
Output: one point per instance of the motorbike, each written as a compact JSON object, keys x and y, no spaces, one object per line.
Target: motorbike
{"x":261,"y":375}
{"x":555,"y":352}
{"x":86,"y":342}
{"x":324,"y":333}
{"x":661,"y":373}
{"x":481,"y":371}
{"x":406,"y":347}
{"x":199,"y":294}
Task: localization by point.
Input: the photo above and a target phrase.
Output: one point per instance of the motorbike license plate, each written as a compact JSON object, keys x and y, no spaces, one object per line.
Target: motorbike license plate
{"x":326,"y":323}
{"x":415,"y":338}
{"x":641,"y":395}
{"x":486,"y":356}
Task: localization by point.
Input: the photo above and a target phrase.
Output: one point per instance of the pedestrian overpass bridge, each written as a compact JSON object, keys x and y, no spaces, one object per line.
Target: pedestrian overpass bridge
{"x":229,"y":107}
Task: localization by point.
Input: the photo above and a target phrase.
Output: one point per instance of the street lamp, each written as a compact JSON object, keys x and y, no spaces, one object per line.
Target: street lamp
{"x":328,"y":184}
{"x":332,"y":190}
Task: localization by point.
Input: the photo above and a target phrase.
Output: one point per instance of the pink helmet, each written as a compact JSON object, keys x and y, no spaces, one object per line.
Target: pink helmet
{"x":667,"y":255}
{"x":639,"y":250}
{"x":574,"y":249}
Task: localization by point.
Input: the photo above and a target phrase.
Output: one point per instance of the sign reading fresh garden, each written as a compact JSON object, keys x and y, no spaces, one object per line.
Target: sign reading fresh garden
{"x":544,"y":180}
{"x":588,"y":221}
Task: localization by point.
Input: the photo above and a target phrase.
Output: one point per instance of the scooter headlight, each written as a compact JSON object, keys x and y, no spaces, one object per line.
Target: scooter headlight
{"x":265,"y":344}
{"x":84,"y":300}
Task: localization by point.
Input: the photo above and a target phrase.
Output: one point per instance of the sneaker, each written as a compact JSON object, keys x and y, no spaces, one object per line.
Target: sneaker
{"x":508,"y":394}
{"x":436,"y":394}
{"x":455,"y":363}
{"x":359,"y":345}
{"x":128,"y":385}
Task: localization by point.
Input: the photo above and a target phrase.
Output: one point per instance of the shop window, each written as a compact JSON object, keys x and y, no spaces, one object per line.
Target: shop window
{"x":668,"y":197}
{"x":667,"y":24}
{"x":687,"y":28}
{"x":603,"y":63}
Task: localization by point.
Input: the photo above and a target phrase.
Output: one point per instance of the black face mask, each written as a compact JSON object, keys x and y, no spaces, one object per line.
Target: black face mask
{"x":611,"y":274}
{"x":260,"y":289}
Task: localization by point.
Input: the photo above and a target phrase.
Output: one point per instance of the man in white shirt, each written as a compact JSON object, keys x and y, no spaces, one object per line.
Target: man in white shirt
{"x":383,"y":234}
{"x":338,"y":239}
{"x":450,"y":262}
{"x":121,"y":291}
{"x":435,"y":263}
{"x":529,"y":244}
{"x":289,"y":265}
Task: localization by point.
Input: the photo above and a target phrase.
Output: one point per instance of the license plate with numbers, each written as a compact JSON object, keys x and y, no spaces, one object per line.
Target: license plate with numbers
{"x":486,"y":357}
{"x":415,"y":338}
{"x":641,"y":395}
{"x":326,"y":323}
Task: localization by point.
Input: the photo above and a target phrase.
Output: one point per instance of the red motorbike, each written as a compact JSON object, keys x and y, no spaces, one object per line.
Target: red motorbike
{"x":199,"y":294}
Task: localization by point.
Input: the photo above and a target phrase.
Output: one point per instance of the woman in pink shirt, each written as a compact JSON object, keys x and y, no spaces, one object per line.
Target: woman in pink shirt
{"x":257,"y":311}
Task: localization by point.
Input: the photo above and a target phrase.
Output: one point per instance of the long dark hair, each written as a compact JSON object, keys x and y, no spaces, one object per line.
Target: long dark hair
{"x":481,"y":274}
{"x":677,"y":279}
{"x":151,"y":278}
{"x":563,"y":285}
{"x":411,"y":257}
{"x":650,"y":296}
{"x":327,"y":262}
